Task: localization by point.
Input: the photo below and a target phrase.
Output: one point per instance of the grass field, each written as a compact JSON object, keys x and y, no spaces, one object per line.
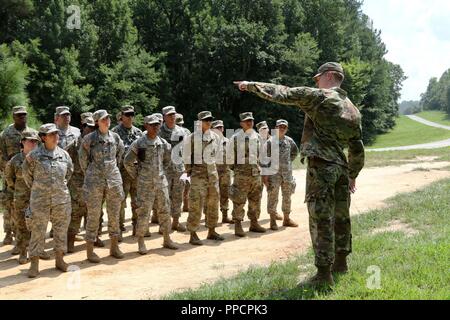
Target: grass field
{"x":409,"y":132}
{"x":412,"y":260}
{"x":435,"y":116}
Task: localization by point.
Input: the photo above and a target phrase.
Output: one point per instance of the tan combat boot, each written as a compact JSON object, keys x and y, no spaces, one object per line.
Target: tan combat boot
{"x":34,"y":268}
{"x":256,"y":227}
{"x":340,"y":263}
{"x":177,"y":226}
{"x":45,"y":255}
{"x":15,"y":251}
{"x":70,"y":242}
{"x":168,"y":243}
{"x":278,"y":217}
{"x":8,"y":239}
{"x":60,"y":264}
{"x":142,"y":249}
{"x":91,"y":255}
{"x":238,"y":231}
{"x":99,"y":243}
{"x":225,"y":218}
{"x":23,"y":259}
{"x":194,"y":240}
{"x":288,"y":222}
{"x":114,"y":249}
{"x":273,"y":223}
{"x":213,"y":235}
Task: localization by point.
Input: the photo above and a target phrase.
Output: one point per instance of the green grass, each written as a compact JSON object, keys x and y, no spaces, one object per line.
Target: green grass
{"x":413,"y":266}
{"x":436,"y":116}
{"x":409,"y":132}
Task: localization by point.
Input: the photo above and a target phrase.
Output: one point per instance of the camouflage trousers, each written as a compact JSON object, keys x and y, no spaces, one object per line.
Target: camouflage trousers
{"x":22,"y":233}
{"x":149,"y":197}
{"x":187,"y":187}
{"x":246,"y":188}
{"x":203,"y":194}
{"x":129,"y":188}
{"x":59,"y":216}
{"x":328,"y":199}
{"x":176,"y":188}
{"x":287,"y":185}
{"x":7,"y":204}
{"x":224,"y":188}
{"x":79,"y":208}
{"x":94,"y":197}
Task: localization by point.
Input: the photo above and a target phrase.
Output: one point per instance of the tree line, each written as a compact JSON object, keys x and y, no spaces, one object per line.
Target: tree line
{"x":186,"y":53}
{"x":437,"y":95}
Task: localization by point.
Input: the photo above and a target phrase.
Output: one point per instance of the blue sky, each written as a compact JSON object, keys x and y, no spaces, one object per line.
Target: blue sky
{"x":417,"y":36}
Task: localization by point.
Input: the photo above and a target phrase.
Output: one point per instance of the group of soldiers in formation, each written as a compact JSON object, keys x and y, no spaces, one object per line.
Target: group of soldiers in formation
{"x":62,"y":174}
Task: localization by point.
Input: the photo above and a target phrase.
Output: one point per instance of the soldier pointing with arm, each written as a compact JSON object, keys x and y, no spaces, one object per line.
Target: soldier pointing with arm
{"x":332,"y":123}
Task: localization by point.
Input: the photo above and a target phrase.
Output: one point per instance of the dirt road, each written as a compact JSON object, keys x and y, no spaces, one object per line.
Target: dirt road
{"x":163,"y":271}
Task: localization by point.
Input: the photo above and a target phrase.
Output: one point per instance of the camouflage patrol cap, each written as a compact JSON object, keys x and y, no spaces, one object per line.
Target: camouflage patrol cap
{"x":62,"y":110}
{"x":246,"y":116}
{"x":330,"y":66}
{"x":48,"y":128}
{"x":85,"y":115}
{"x":30,"y":135}
{"x":217,"y":124}
{"x":262,"y":125}
{"x":19,"y":110}
{"x":205,"y":115}
{"x":127,"y":109}
{"x":89,"y":121}
{"x":160,"y":116}
{"x":282,"y":122}
{"x":152,"y":119}
{"x":179,"y":118}
{"x":169,"y":110}
{"x":100,"y":114}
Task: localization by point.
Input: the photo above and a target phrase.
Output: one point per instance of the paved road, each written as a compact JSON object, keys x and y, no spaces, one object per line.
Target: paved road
{"x":432,"y":145}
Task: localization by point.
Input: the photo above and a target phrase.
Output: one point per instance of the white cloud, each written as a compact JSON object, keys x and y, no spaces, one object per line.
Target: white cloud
{"x":417,"y":36}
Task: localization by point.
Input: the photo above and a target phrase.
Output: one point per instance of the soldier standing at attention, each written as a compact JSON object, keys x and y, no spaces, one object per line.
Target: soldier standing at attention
{"x":21,"y":193}
{"x":247,"y":184}
{"x":332,"y":123}
{"x":180,"y":122}
{"x":152,"y":155}
{"x":199,"y":154}
{"x":100,"y":156}
{"x":10,"y":146}
{"x":67,"y":133}
{"x":282,"y":177}
{"x":46,"y":171}
{"x":128,"y":133}
{"x":223,"y":169}
{"x":174,"y":135}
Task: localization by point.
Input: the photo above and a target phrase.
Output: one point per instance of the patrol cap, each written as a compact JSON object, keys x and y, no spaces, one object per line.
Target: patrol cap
{"x":246,"y":116}
{"x":160,"y":116}
{"x":85,"y":115}
{"x":217,"y":124}
{"x":179,"y":118}
{"x":100,"y":114}
{"x":169,"y":110}
{"x":48,"y":128}
{"x":152,"y":119}
{"x":19,"y":110}
{"x":30,"y":135}
{"x":262,"y":125}
{"x":127,"y":109}
{"x":282,"y":122}
{"x":330,"y":66}
{"x":89,"y":121}
{"x":205,"y":115}
{"x":62,"y":110}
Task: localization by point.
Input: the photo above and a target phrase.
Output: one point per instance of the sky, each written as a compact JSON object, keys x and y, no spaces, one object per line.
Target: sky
{"x":417,"y":36}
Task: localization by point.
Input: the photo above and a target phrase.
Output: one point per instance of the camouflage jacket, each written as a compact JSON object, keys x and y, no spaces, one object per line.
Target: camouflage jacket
{"x":68,"y":137}
{"x":287,"y":152}
{"x":10,"y":143}
{"x":72,"y":150}
{"x":100,"y":157}
{"x":174,"y":137}
{"x":222,"y":165}
{"x":199,"y":155}
{"x":46,"y":173}
{"x":152,"y":157}
{"x":244,"y":150}
{"x":17,"y":188}
{"x":128,"y":136}
{"x":332,"y":123}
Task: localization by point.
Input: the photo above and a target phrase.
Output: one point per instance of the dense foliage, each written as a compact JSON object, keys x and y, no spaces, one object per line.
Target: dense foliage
{"x":437,"y":96}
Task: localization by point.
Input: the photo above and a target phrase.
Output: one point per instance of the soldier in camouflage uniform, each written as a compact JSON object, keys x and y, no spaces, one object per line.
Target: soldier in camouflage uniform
{"x":100,"y":156}
{"x":244,"y":149}
{"x":200,"y":152}
{"x":10,"y":146}
{"x":67,"y":134}
{"x":223,"y":170}
{"x":332,"y":124}
{"x":79,"y":209}
{"x":282,"y":176}
{"x":180,"y":122}
{"x":46,"y":171}
{"x":152,"y":155}
{"x":154,"y":218}
{"x":128,"y":133}
{"x":21,"y":192}
{"x":174,"y":135}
